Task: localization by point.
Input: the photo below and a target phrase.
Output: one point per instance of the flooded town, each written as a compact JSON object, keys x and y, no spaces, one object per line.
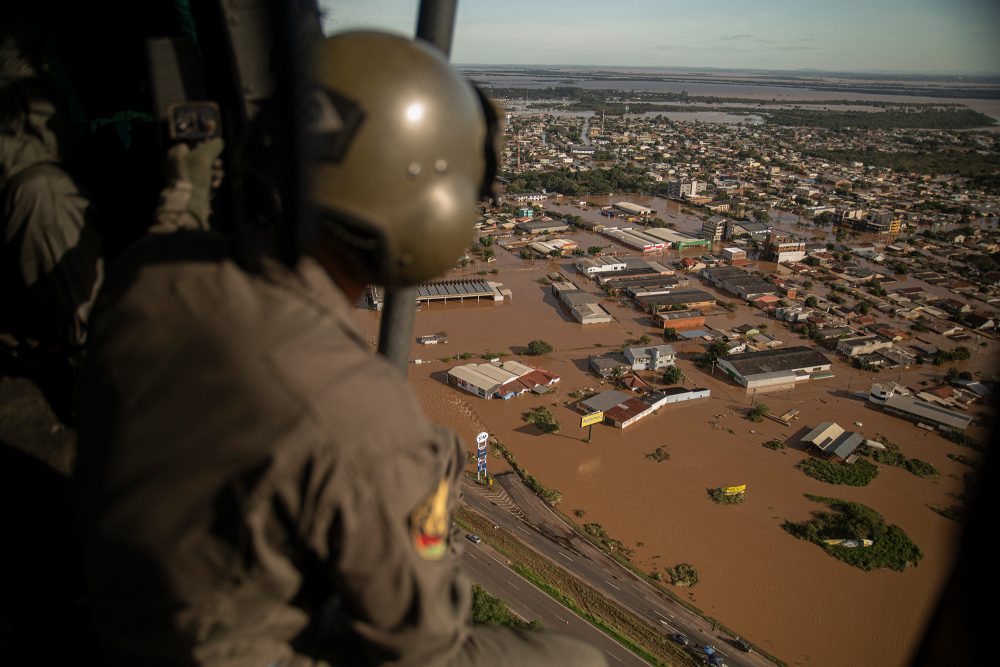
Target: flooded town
{"x":760,"y":308}
{"x":645,"y":334}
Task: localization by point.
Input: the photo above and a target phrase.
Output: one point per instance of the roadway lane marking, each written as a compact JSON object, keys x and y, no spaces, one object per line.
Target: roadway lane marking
{"x":561,"y":618}
{"x":565,"y":556}
{"x":613,"y":656}
{"x":513,"y":584}
{"x":612,"y":585}
{"x":658,"y":614}
{"x":497,"y":559}
{"x":670,"y":626}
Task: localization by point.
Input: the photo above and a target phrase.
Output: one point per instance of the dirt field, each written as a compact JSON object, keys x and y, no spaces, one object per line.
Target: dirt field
{"x":804,"y":606}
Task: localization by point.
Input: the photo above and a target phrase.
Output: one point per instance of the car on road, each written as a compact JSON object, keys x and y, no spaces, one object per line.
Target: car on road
{"x":472,"y":537}
{"x":743,"y":645}
{"x":680,"y":638}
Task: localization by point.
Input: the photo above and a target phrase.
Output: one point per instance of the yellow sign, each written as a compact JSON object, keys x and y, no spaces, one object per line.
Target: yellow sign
{"x":592,"y":418}
{"x":733,"y":490}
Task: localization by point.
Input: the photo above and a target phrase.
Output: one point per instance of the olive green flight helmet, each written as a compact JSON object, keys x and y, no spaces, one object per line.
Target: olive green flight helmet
{"x":403,"y":152}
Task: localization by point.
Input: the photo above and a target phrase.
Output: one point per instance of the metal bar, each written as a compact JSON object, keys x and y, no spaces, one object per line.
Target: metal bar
{"x":436,"y":25}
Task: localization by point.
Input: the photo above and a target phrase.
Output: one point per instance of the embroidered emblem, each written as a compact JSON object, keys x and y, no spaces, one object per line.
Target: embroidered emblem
{"x":429,"y":524}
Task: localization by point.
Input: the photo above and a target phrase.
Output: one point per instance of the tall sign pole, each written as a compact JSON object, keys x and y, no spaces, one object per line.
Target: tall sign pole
{"x":481,"y":455}
{"x":589,"y":420}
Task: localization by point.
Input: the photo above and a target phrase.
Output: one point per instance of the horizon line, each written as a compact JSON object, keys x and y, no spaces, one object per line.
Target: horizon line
{"x":697,"y":68}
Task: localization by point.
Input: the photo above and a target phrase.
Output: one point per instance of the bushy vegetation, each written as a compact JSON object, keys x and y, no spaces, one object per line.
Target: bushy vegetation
{"x":956,"y":514}
{"x":891,"y":456}
{"x":537,"y":347}
{"x":718,"y":496}
{"x":672,"y":375}
{"x":591,"y":182}
{"x":774,"y":444}
{"x":892,"y":548}
{"x":660,"y":455}
{"x":488,"y":609}
{"x":960,"y":353}
{"x":859,"y":473}
{"x":596,"y":531}
{"x":970,"y":163}
{"x":966,"y":460}
{"x":757,"y":412}
{"x":683,"y":574}
{"x":963,"y":439}
{"x":543,"y":419}
{"x":712,"y":353}
{"x":936,"y":119}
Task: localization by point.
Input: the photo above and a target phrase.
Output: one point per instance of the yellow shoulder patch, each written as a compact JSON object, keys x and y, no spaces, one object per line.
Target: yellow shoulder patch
{"x":429,"y":524}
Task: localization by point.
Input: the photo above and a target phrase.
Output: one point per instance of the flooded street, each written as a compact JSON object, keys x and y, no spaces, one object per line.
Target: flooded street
{"x":804,"y":606}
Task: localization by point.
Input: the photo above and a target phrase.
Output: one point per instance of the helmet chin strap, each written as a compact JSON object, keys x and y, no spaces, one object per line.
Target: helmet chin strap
{"x":360,"y":245}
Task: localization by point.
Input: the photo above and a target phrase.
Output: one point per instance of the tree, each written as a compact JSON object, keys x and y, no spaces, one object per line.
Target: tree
{"x":812,"y":302}
{"x":488,"y":609}
{"x":757,"y":413}
{"x":543,"y":419}
{"x":537,"y":347}
{"x":594,"y":250}
{"x":644,"y":340}
{"x":486,"y":241}
{"x":672,"y":375}
{"x":488,"y":254}
{"x":762,"y":216}
{"x":669,"y":333}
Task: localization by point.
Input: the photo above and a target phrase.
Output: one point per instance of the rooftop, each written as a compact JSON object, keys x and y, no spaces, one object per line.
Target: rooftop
{"x":776,"y":361}
{"x":605,"y":400}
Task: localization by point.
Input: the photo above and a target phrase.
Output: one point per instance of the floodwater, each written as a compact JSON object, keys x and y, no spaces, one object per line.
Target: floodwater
{"x":720,"y":117}
{"x":802,"y":605}
{"x":990,"y":107}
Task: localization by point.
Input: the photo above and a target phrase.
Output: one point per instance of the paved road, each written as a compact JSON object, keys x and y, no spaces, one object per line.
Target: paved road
{"x":517,"y":509}
{"x":486,"y":567}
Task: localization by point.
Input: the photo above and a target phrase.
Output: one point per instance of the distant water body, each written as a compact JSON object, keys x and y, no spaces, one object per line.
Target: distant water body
{"x":726,"y":89}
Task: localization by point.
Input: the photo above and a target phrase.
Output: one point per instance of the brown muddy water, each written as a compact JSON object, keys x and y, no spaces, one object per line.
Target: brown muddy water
{"x":802,"y":605}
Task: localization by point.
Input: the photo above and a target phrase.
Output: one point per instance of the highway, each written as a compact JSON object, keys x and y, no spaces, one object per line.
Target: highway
{"x":514,"y":507}
{"x":486,"y":567}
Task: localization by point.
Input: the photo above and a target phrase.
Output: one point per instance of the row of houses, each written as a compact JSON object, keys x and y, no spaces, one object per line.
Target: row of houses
{"x":622,"y":410}
{"x":500,"y":380}
{"x":642,"y":358}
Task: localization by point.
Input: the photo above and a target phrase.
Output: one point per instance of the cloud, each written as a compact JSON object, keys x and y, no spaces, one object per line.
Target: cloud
{"x":730,"y":38}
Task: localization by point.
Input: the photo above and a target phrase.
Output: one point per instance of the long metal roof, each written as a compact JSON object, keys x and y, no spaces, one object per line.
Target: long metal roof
{"x":454,"y":288}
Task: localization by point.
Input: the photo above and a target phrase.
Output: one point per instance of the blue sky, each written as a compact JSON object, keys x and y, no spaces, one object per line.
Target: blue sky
{"x":956,"y":36}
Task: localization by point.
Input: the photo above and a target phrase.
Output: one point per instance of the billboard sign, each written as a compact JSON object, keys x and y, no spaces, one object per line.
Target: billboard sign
{"x":592,"y":418}
{"x":482,"y":438}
